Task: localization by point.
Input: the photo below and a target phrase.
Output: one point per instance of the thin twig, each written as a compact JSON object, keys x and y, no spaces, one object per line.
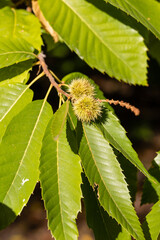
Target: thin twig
{"x":54,"y":75}
{"x":135,"y":110}
{"x":49,"y":75}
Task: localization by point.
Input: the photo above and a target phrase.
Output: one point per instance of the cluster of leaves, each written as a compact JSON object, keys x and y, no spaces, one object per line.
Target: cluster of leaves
{"x":73,"y":159}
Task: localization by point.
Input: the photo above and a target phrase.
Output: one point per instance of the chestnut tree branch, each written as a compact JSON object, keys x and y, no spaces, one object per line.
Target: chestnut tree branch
{"x":41,"y":57}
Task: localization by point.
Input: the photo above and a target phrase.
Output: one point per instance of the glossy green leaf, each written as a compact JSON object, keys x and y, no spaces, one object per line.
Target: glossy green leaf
{"x":146,"y":12}
{"x":104,"y":227}
{"x":20,"y":24}
{"x":102,"y":169}
{"x":20,"y":153}
{"x":16,"y":72}
{"x":14,"y":50}
{"x":153,"y":219}
{"x":99,"y":38}
{"x":115,"y":134}
{"x":13,"y":98}
{"x":60,"y":177}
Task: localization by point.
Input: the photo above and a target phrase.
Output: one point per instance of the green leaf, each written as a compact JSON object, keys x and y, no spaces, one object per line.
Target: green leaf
{"x":99,"y":38}
{"x":151,"y":190}
{"x":146,"y":230}
{"x":49,"y":42}
{"x":103,"y":225}
{"x":153,"y":221}
{"x":156,"y":163}
{"x":20,"y":153}
{"x":60,"y":177}
{"x":24,"y":27}
{"x":130,"y":172}
{"x":154,"y":47}
{"x":6,"y":217}
{"x":17,"y":72}
{"x":20,"y":24}
{"x":72,"y":135}
{"x":149,"y":193}
{"x":124,"y":235}
{"x":115,"y":134}
{"x":13,"y":98}
{"x":147,"y":12}
{"x":102,"y":169}
{"x":157,"y":159}
{"x":14,"y":50}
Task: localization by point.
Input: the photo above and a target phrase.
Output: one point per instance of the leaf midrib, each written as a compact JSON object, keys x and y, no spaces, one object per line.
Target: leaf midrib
{"x":106,"y":186}
{"x":59,"y":194}
{"x":4,"y":53}
{"x":13,"y":104}
{"x":25,"y":152}
{"x":126,"y":154}
{"x":101,"y":40}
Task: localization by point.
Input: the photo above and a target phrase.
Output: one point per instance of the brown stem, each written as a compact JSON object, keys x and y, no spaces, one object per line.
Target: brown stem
{"x":135,"y":110}
{"x":49,"y":75}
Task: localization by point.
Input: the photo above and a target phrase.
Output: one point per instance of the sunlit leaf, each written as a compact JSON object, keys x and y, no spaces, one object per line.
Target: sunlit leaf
{"x":116,"y":135}
{"x":14,"y":50}
{"x":103,"y":170}
{"x":153,"y":221}
{"x":20,"y":153}
{"x":146,"y":12}
{"x":98,"y":37}
{"x":124,"y":235}
{"x":16,"y":72}
{"x":104,"y":227}
{"x":13,"y":98}
{"x":60,"y":178}
{"x":20,"y":24}
{"x":157,"y":159}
